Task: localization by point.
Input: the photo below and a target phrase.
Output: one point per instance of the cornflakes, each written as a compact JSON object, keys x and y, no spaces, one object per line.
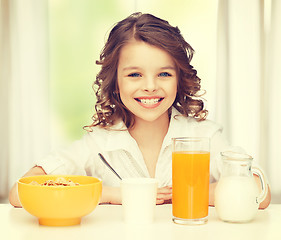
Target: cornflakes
{"x":58,"y":182}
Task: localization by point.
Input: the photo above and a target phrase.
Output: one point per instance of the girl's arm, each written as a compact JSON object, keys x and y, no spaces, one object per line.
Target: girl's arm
{"x":13,"y":195}
{"x":111,"y":195}
{"x":212,"y":194}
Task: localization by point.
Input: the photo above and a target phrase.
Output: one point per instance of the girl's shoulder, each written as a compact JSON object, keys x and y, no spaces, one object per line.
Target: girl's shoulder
{"x":191,"y":122}
{"x":100,"y":133}
{"x":206,"y":124}
{"x":188,"y":126}
{"x":108,"y":137}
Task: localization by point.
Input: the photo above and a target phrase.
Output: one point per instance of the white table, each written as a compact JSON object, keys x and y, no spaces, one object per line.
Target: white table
{"x":105,"y":222}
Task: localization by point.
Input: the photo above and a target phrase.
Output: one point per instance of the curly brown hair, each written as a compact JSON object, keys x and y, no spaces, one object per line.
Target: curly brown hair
{"x":159,"y":33}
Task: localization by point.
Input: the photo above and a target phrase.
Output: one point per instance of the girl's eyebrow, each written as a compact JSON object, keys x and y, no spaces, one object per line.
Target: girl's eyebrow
{"x":137,"y":68}
{"x":130,"y":68}
{"x":168,"y":67}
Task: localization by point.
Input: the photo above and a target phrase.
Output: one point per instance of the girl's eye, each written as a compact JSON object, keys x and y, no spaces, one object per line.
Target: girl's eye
{"x":165,"y":74}
{"x":134,"y":75}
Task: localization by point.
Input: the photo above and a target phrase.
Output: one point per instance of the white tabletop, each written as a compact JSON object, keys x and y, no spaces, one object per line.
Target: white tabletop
{"x":106,"y":222}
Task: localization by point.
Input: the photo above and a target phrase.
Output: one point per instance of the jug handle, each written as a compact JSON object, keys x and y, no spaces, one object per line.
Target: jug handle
{"x":264,"y":186}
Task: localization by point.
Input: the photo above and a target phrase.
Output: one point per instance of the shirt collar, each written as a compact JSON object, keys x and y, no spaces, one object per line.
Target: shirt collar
{"x":120,"y":138}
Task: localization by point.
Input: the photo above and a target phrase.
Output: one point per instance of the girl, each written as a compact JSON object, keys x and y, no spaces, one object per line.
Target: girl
{"x":147,"y":93}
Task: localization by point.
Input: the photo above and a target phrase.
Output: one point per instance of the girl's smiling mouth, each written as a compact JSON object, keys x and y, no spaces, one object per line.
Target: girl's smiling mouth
{"x":149,"y":102}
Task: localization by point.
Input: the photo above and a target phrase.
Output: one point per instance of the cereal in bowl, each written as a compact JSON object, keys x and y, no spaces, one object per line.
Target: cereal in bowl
{"x":58,"y":182}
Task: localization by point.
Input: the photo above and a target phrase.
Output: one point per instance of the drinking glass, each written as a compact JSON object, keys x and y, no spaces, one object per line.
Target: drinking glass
{"x":190,"y":177}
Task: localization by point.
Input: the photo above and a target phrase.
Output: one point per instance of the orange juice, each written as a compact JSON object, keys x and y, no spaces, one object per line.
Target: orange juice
{"x":190,"y":184}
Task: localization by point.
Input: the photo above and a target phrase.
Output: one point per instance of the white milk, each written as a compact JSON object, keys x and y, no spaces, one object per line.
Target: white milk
{"x":235,"y":198}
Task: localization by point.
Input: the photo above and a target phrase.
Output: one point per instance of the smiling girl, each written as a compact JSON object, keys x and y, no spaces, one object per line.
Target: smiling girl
{"x":147,"y":93}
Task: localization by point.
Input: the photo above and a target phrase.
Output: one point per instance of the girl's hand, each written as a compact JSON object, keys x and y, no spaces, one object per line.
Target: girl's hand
{"x":164,"y":195}
{"x":13,"y":195}
{"x":111,"y":195}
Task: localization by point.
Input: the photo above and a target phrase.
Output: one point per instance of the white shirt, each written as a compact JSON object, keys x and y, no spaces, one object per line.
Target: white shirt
{"x":123,"y":154}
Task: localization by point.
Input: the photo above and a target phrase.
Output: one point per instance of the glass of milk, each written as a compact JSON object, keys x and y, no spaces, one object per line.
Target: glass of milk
{"x":237,"y":196}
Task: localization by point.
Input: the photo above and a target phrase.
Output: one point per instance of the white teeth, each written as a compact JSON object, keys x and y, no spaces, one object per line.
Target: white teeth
{"x":150,"y":101}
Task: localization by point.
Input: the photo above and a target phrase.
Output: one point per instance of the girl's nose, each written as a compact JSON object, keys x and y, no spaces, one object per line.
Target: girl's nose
{"x":150,"y":84}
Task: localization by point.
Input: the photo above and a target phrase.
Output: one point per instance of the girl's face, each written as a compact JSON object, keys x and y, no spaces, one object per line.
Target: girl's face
{"x":147,"y":80}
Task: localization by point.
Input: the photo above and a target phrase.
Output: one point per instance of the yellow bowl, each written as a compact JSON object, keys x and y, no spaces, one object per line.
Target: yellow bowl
{"x":59,"y":205}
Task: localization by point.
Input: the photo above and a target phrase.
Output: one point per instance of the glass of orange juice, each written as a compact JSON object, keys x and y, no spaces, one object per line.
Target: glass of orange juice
{"x":190,"y":177}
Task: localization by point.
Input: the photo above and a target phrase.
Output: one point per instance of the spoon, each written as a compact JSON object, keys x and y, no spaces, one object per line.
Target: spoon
{"x":108,"y":165}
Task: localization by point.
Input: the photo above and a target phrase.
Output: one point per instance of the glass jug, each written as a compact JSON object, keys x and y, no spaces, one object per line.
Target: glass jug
{"x":237,"y":196}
